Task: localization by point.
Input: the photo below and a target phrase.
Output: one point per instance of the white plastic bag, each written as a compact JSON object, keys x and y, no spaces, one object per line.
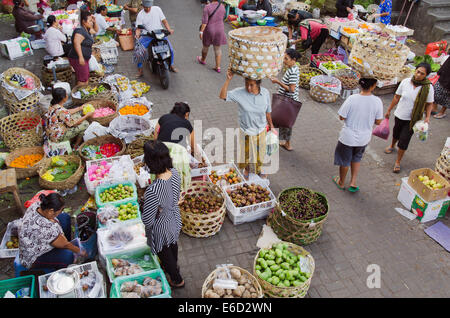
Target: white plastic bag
{"x":129,"y":126}
{"x":328,"y":83}
{"x":95,"y":130}
{"x":94,"y":65}
{"x":421,"y":130}
{"x":123,"y":170}
{"x":107,"y":213}
{"x":272,"y":143}
{"x":143,"y":177}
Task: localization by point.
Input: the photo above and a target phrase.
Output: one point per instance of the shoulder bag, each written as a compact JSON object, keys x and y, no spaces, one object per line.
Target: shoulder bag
{"x":209,"y":17}
{"x":284,"y":111}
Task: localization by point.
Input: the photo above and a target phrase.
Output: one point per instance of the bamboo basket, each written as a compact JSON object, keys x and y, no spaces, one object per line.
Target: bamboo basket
{"x":203,"y":225}
{"x":63,"y":75}
{"x":67,"y":184}
{"x":287,"y":292}
{"x":22,"y":129}
{"x":443,"y":164}
{"x":101,"y":141}
{"x":349,"y":78}
{"x":209,"y":281}
{"x":256,"y":52}
{"x":29,"y":103}
{"x":101,"y":103}
{"x":303,"y":79}
{"x":95,"y":78}
{"x":22,"y":173}
{"x":323,"y":96}
{"x":304,"y":61}
{"x":107,"y":94}
{"x":385,"y":56}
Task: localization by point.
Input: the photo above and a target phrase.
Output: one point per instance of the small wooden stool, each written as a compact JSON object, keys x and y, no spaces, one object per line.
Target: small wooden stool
{"x":8,"y":183}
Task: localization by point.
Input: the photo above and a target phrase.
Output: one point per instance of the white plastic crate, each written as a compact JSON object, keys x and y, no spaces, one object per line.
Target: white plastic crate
{"x":206,"y":171}
{"x":98,"y":291}
{"x":109,"y":55}
{"x":222,"y":169}
{"x":252,"y":212}
{"x":4,"y":251}
{"x":90,"y":186}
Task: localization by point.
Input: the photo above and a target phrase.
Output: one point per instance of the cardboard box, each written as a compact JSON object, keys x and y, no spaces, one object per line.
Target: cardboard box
{"x":425,"y":192}
{"x":425,"y":211}
{"x":16,"y":48}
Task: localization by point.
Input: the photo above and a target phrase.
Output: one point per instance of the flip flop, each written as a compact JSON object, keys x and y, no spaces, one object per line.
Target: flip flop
{"x":288,"y":149}
{"x":335,"y":178}
{"x":353,"y":189}
{"x":389,"y":150}
{"x":217,"y":70}
{"x":396,"y":168}
{"x":199,"y":59}
{"x":440,"y":116}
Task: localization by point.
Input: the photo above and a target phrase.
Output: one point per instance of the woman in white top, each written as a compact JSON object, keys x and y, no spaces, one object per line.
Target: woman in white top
{"x":359,"y":112}
{"x":413,"y":97}
{"x":54,"y":37}
{"x":101,"y":22}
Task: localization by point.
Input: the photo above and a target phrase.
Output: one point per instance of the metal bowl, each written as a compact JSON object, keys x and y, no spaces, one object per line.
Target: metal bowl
{"x":63,"y":282}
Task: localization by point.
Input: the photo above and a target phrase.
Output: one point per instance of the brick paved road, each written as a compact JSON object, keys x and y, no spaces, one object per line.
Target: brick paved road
{"x":361,"y":229}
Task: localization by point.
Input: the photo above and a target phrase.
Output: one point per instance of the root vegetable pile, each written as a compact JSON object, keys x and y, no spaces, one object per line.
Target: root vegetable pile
{"x":246,"y":195}
{"x":302,"y":204}
{"x":201,"y":203}
{"x":245,"y":289}
{"x":150,"y":287}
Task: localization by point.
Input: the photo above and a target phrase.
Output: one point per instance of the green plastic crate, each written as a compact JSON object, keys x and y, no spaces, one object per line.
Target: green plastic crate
{"x":14,"y":284}
{"x":138,"y":217}
{"x":166,"y":292}
{"x":104,"y":187}
{"x":133,"y":254}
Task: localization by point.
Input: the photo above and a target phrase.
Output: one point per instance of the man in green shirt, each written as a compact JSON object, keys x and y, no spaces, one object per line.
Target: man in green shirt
{"x":134,"y":7}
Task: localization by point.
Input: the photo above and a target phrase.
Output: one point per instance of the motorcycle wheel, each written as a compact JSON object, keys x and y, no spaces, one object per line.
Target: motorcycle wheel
{"x":164,"y":77}
{"x":153,"y":66}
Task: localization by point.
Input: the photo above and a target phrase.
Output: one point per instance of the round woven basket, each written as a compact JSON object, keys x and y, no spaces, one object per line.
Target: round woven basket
{"x":106,"y":94}
{"x":303,"y":79}
{"x":62,"y":74}
{"x":256,"y":52}
{"x":209,"y":281}
{"x":99,"y":141}
{"x":321,"y":95}
{"x":304,"y":61}
{"x":22,"y":129}
{"x":287,"y":292}
{"x":443,"y":165}
{"x":349,"y":78}
{"x":203,"y":225}
{"x":95,"y":78}
{"x":30,"y":103}
{"x":22,"y":173}
{"x":67,"y":184}
{"x":101,"y":103}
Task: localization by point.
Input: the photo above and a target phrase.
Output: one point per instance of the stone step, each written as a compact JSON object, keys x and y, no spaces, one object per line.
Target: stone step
{"x":439,"y":14}
{"x":435,"y":3}
{"x":442,"y":29}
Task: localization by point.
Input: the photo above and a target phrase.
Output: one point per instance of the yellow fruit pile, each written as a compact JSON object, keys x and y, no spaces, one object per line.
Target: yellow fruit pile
{"x":136,"y":109}
{"x":430,"y":183}
{"x":122,"y":82}
{"x":139,"y":88}
{"x":26,"y":161}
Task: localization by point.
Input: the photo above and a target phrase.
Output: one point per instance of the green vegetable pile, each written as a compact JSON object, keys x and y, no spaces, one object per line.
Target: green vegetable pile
{"x":280,"y":267}
{"x":89,"y":91}
{"x":427,"y":59}
{"x":63,"y":173}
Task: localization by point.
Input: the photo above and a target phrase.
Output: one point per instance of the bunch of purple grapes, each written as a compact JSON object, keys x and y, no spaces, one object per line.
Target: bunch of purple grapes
{"x":303,"y":204}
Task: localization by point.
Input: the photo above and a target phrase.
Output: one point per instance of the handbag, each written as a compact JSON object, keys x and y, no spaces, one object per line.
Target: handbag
{"x":284,"y":111}
{"x":209,"y":17}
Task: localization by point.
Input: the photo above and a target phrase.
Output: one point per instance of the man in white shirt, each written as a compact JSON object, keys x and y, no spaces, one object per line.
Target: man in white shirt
{"x":101,"y":22}
{"x":152,"y":18}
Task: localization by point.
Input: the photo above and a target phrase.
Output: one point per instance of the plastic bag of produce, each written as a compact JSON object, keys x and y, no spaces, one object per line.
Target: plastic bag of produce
{"x":123,"y":170}
{"x":272,"y":143}
{"x":382,"y":130}
{"x":421,"y":130}
{"x":107,"y":213}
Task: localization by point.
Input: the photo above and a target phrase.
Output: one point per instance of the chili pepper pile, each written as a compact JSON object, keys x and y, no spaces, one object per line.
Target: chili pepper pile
{"x":302,"y":204}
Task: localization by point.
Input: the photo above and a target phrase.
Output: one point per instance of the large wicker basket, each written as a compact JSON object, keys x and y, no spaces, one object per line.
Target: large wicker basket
{"x":106,"y":94}
{"x":95,"y":78}
{"x":349,"y":78}
{"x":257,"y":52}
{"x":62,"y":74}
{"x":23,"y":129}
{"x":22,"y":173}
{"x":323,"y":96}
{"x":209,"y":281}
{"x":305,"y":79}
{"x":203,"y":225}
{"x":101,"y":103}
{"x":287,"y":292}
{"x":443,"y":164}
{"x":99,"y":141}
{"x":67,"y":184}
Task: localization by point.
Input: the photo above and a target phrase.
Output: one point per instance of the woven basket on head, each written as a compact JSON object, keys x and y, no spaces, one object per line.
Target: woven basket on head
{"x":62,"y":74}
{"x":102,"y":103}
{"x":209,"y":281}
{"x":287,"y":292}
{"x":99,"y":141}
{"x":443,"y":164}
{"x":22,"y":173}
{"x":203,"y":224}
{"x":256,"y":52}
{"x":349,"y":78}
{"x":67,"y":184}
{"x":22,"y":129}
{"x":106,"y":94}
{"x":290,"y":229}
{"x":304,"y":78}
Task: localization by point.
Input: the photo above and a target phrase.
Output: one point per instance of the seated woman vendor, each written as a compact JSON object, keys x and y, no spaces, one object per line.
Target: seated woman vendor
{"x":64,"y":124}
{"x":45,"y":233}
{"x":175,"y":127}
{"x":104,"y":31}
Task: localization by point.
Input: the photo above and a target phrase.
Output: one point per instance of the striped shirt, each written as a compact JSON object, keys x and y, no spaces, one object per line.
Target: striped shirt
{"x":291,"y":77}
{"x":162,"y":196}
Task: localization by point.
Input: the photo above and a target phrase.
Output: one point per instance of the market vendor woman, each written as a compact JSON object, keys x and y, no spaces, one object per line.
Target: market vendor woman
{"x":45,"y":233}
{"x":64,"y":124}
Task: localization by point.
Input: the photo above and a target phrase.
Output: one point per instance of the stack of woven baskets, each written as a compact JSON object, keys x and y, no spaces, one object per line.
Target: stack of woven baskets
{"x":443,"y":163}
{"x":62,"y":74}
{"x":29,"y":103}
{"x":23,"y":129}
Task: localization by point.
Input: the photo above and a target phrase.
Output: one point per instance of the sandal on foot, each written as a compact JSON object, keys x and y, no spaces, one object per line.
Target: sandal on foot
{"x":389,"y":150}
{"x":285,"y":147}
{"x":439,"y":116}
{"x":173,"y":69}
{"x":353,"y":189}
{"x":335,"y":180}
{"x":396,"y":168}
{"x":217,"y":70}
{"x":199,"y":59}
{"x":173,"y":285}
